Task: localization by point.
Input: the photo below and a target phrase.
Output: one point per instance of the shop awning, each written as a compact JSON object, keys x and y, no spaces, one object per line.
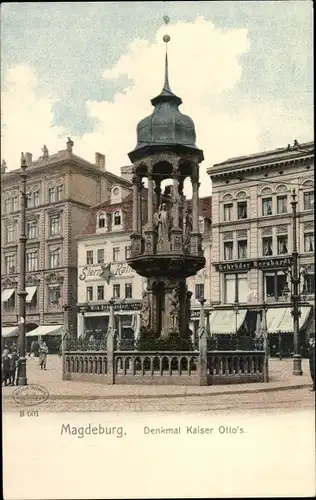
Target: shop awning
{"x":30,"y":293}
{"x":280,"y":320}
{"x":9,"y":331}
{"x":43,"y":330}
{"x":6,"y":294}
{"x":224,"y":322}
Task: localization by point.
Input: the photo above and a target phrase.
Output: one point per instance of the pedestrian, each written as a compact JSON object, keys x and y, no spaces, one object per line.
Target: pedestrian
{"x":312,"y":358}
{"x":13,"y":366}
{"x":6,"y":375}
{"x":43,"y":351}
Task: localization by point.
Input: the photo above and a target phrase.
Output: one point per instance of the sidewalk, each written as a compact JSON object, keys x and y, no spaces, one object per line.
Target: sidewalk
{"x":281,"y":378}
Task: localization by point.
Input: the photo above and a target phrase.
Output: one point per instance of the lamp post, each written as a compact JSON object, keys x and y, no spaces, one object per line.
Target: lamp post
{"x":295,"y":279}
{"x":22,"y":379}
{"x":264,"y":332}
{"x":236,"y":310}
{"x":66,"y":308}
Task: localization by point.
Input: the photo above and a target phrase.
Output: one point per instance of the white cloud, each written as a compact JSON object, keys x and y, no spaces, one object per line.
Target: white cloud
{"x":205,"y":68}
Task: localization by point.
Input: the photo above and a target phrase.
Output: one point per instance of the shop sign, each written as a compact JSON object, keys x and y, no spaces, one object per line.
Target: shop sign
{"x":272,"y":263}
{"x":130,"y":306}
{"x":106,"y":271}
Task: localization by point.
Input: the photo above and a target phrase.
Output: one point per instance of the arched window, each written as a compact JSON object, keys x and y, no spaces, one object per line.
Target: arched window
{"x":308,"y":194}
{"x":101,"y":220}
{"x":117,"y":218}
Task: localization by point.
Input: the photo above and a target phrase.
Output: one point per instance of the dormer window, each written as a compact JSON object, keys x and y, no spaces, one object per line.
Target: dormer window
{"x":101,"y":220}
{"x":117,"y":218}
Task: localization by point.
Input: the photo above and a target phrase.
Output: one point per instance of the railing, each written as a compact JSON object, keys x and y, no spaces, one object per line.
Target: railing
{"x":235,"y":367}
{"x":84,"y":344}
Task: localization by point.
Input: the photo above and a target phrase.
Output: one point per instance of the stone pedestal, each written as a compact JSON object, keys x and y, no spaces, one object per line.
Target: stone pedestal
{"x":196,"y":244}
{"x":150,"y":241}
{"x":137,"y":244}
{"x":176,"y":240}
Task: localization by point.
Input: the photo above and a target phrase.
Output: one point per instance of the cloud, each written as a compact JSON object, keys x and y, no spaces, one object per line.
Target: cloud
{"x":205,"y":70}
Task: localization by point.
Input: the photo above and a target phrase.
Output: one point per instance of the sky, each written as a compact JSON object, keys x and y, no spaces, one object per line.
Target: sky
{"x":88,"y":71}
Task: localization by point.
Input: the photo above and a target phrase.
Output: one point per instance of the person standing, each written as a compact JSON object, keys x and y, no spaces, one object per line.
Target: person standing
{"x":13,"y":366}
{"x":312,"y":359}
{"x":6,"y":367}
{"x":43,"y":351}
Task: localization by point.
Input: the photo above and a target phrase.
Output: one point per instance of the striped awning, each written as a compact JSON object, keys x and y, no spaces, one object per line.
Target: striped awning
{"x":280,"y":320}
{"x":9,"y":331}
{"x":223,"y":322}
{"x":43,"y":330}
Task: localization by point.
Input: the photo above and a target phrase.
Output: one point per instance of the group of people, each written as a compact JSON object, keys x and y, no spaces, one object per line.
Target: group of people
{"x":10,"y":365}
{"x":40,"y":350}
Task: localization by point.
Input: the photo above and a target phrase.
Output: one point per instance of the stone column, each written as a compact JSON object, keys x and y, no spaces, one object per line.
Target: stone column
{"x":135,"y":181}
{"x":157,"y":193}
{"x":150,"y":240}
{"x":202,"y":347}
{"x":150,"y":199}
{"x":176,"y":240}
{"x":196,"y":238}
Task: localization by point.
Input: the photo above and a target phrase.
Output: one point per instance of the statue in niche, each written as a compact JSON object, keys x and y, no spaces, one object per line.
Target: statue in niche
{"x":145,"y":311}
{"x":188,"y":227}
{"x":174,"y":304}
{"x":162,"y":222}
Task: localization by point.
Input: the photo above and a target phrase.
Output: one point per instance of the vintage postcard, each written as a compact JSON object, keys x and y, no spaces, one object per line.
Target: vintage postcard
{"x":157,"y":250}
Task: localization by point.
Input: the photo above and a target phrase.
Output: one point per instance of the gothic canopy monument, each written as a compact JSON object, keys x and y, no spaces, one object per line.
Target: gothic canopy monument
{"x":168,"y":248}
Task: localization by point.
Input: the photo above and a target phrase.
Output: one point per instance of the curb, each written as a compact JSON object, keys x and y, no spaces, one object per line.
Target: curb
{"x":87,"y":397}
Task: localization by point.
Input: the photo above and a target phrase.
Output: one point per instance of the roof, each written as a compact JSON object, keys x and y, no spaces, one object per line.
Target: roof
{"x":205,"y":206}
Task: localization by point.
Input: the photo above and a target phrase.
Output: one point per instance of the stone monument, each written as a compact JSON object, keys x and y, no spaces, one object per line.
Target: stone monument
{"x":168,"y":249}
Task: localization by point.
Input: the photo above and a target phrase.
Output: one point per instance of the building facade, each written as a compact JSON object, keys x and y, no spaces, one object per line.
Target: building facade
{"x":61,"y":188}
{"x":252,"y":235}
{"x":103,"y":247}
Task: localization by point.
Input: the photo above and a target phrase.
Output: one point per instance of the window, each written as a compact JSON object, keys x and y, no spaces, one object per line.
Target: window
{"x":116,"y":291}
{"x":267,"y":246}
{"x":282,"y":204}
{"x":242,"y":249}
{"x":116,"y":254}
{"x":32,"y":261}
{"x":10,"y":264}
{"x":36,"y":198}
{"x":100,"y":256}
{"x":101,"y":220}
{"x":127,"y":252}
{"x":128,"y":290}
{"x":282,"y":244}
{"x":32,"y":229}
{"x":274,"y":285}
{"x":236,"y":288}
{"x":267,"y":206}
{"x":309,"y":200}
{"x":242,"y":210}
{"x":54,"y":224}
{"x":52,"y":195}
{"x":29,"y":200}
{"x":199,"y":290}
{"x":309,"y":283}
{"x":228,"y":211}
{"x":10,"y":233}
{"x":54,"y":294}
{"x":8,"y":206}
{"x":100,"y":292}
{"x":89,"y":257}
{"x":308,"y":242}
{"x":59,"y":192}
{"x":89,"y":293}
{"x":228,"y":250}
{"x":54,"y":257}
{"x":117,"y":218}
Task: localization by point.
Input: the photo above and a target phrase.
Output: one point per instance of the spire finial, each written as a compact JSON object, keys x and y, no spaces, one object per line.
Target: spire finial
{"x":166,"y":39}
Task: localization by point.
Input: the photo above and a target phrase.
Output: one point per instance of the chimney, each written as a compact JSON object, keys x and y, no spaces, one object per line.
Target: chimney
{"x":28,"y":158}
{"x":127,"y":172}
{"x":100,"y":161}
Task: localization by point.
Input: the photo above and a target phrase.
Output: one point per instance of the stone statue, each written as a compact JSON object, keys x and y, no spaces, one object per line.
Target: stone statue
{"x":188,"y":227}
{"x":163,"y":223}
{"x":145,"y":311}
{"x":45,"y":151}
{"x":69,"y":144}
{"x":174,"y":304}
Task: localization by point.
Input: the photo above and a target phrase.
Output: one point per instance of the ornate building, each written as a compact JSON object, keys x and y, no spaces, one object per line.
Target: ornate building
{"x":252,"y":240}
{"x":168,"y":249}
{"x":61,"y":188}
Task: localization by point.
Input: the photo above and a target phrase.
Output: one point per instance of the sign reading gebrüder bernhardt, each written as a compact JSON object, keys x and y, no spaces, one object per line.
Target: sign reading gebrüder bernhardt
{"x":106,"y":271}
{"x":273,"y":262}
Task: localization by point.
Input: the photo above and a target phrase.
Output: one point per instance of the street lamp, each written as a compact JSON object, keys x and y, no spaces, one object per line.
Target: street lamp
{"x":236,"y":311}
{"x":66,"y":308}
{"x":295,"y":279}
{"x":22,"y":379}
